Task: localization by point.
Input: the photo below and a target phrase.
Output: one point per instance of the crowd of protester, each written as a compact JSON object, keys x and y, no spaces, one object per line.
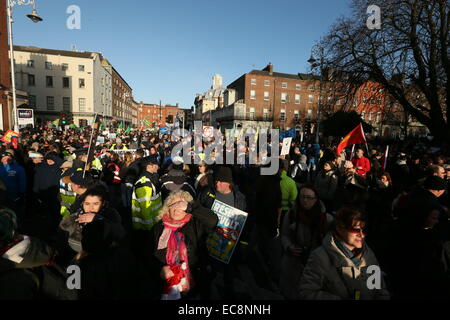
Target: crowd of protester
{"x":136,"y":220}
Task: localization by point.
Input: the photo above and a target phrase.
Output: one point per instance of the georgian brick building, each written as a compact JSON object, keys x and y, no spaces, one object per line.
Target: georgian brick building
{"x":154,"y":115}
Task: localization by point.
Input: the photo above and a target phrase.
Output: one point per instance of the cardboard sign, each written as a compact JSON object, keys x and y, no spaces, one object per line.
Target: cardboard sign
{"x":286,"y":146}
{"x":25,"y":117}
{"x":223,"y":240}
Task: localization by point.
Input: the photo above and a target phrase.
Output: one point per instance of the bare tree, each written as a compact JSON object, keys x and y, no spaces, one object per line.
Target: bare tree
{"x":408,"y":56}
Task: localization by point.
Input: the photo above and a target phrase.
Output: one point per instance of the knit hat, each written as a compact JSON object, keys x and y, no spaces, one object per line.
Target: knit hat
{"x":8,"y":226}
{"x":84,"y":182}
{"x":435,"y":183}
{"x":224,"y":174}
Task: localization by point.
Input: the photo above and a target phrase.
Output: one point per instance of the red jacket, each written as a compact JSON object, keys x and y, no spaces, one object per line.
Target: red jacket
{"x":364,"y":163}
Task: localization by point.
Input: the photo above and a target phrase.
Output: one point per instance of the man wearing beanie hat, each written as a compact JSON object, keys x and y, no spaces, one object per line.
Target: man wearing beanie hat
{"x":176,"y":179}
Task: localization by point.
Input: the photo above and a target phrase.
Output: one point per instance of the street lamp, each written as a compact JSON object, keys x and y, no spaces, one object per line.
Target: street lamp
{"x":314,"y":65}
{"x":35,"y":18}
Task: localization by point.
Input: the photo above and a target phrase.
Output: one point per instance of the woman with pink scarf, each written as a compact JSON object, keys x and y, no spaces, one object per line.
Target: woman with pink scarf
{"x":178,"y":246}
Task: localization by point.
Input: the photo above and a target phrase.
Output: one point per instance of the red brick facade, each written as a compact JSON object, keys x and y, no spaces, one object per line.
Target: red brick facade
{"x":154,"y":114}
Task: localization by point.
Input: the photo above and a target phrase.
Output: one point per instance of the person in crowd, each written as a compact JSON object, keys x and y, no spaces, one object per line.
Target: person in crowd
{"x":361,"y":163}
{"x":118,"y":145}
{"x":304,"y":229}
{"x":13,"y":175}
{"x":176,"y":247}
{"x":341,"y":267}
{"x":205,"y":178}
{"x":176,"y":179}
{"x":300,"y":171}
{"x":95,"y":206}
{"x":326,"y":184}
{"x":23,"y":260}
{"x":289,"y":191}
{"x":146,"y":199}
{"x":417,"y":237}
{"x":109,"y":270}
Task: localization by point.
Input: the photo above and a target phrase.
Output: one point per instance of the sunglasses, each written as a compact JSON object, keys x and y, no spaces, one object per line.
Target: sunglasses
{"x":357,"y":230}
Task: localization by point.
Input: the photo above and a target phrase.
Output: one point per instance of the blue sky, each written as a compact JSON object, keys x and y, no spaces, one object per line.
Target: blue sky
{"x":170,"y":50}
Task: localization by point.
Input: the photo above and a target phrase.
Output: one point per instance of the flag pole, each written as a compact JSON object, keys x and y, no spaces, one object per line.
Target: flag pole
{"x":90,"y":144}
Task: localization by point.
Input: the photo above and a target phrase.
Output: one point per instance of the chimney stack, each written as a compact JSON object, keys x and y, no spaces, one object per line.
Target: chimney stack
{"x":269,"y":68}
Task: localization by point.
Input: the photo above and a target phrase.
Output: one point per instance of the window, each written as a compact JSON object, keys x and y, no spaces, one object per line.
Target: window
{"x":370,"y":116}
{"x":378,"y":117}
{"x":82,"y":85}
{"x":253,"y":82}
{"x":81,"y":68}
{"x":48,"y":65}
{"x":266,"y":95}
{"x":364,"y":100}
{"x":311,"y":98}
{"x":252,"y":113}
{"x":330,"y":100}
{"x":50,"y":103}
{"x":266,"y":83}
{"x":372,"y":101}
{"x":32,"y":101}
{"x":284,"y":85}
{"x":363,"y":115}
{"x":66,"y":104}
{"x":338,"y":102}
{"x":64,"y":67}
{"x":82,"y":104}
{"x":31,"y":80}
{"x":49,"y":81}
{"x":103,"y":82}
{"x":283,"y":97}
{"x":311,"y":87}
{"x":296,"y":115}
{"x":103,"y":98}
{"x":266,"y":114}
{"x":309,"y":114}
{"x":297,"y":99}
{"x":283,"y":115}
{"x":252,"y":94}
{"x":30,"y":63}
{"x":66,"y":82}
{"x":298,"y":87}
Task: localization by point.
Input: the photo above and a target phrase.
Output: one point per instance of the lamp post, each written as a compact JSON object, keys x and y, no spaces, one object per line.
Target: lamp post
{"x":35,"y":18}
{"x":314,"y":65}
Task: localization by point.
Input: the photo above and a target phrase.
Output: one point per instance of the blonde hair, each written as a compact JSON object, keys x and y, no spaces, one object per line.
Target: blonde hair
{"x":186,"y":196}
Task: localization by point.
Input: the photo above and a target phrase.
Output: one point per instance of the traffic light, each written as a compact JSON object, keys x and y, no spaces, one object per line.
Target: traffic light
{"x":63,"y":119}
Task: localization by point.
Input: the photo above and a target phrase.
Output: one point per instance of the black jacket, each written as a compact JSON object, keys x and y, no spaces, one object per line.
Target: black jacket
{"x":195,"y":234}
{"x":31,"y":278}
{"x":175,"y":180}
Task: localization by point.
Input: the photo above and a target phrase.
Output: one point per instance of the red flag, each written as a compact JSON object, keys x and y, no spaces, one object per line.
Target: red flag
{"x":384,"y":158}
{"x":356,"y":136}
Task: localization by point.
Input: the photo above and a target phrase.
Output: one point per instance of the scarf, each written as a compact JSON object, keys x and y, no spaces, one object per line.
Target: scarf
{"x":176,"y":254}
{"x":356,"y":259}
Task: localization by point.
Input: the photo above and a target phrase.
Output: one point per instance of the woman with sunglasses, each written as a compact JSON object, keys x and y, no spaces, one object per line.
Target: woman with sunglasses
{"x":303,"y":229}
{"x":344,"y":267}
{"x":205,"y":177}
{"x":177,"y":247}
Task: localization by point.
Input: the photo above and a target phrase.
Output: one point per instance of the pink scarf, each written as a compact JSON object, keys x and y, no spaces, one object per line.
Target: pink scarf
{"x":176,"y":255}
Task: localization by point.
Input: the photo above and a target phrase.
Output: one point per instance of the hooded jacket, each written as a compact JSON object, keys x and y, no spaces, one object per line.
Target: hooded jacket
{"x":330,"y":275}
{"x":175,"y":180}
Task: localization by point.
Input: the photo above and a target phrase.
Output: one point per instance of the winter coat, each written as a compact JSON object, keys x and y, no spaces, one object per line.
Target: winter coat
{"x":330,"y":275}
{"x":195,"y":233}
{"x":289,"y":191}
{"x":297,"y":235}
{"x":25,"y":276}
{"x":13,"y":176}
{"x":74,"y":229}
{"x":326,"y":184}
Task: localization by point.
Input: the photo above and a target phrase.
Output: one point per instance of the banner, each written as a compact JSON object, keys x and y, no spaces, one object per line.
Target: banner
{"x":25,"y":117}
{"x":286,"y":146}
{"x":223,"y":240}
{"x":8,"y":136}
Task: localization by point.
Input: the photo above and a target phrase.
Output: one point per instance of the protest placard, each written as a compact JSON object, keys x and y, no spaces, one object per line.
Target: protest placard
{"x":223,"y":240}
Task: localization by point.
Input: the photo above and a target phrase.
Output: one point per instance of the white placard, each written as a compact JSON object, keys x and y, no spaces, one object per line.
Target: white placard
{"x":25,"y":117}
{"x":286,"y":146}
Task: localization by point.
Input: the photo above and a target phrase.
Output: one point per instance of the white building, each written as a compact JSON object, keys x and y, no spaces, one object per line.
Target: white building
{"x":69,"y":82}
